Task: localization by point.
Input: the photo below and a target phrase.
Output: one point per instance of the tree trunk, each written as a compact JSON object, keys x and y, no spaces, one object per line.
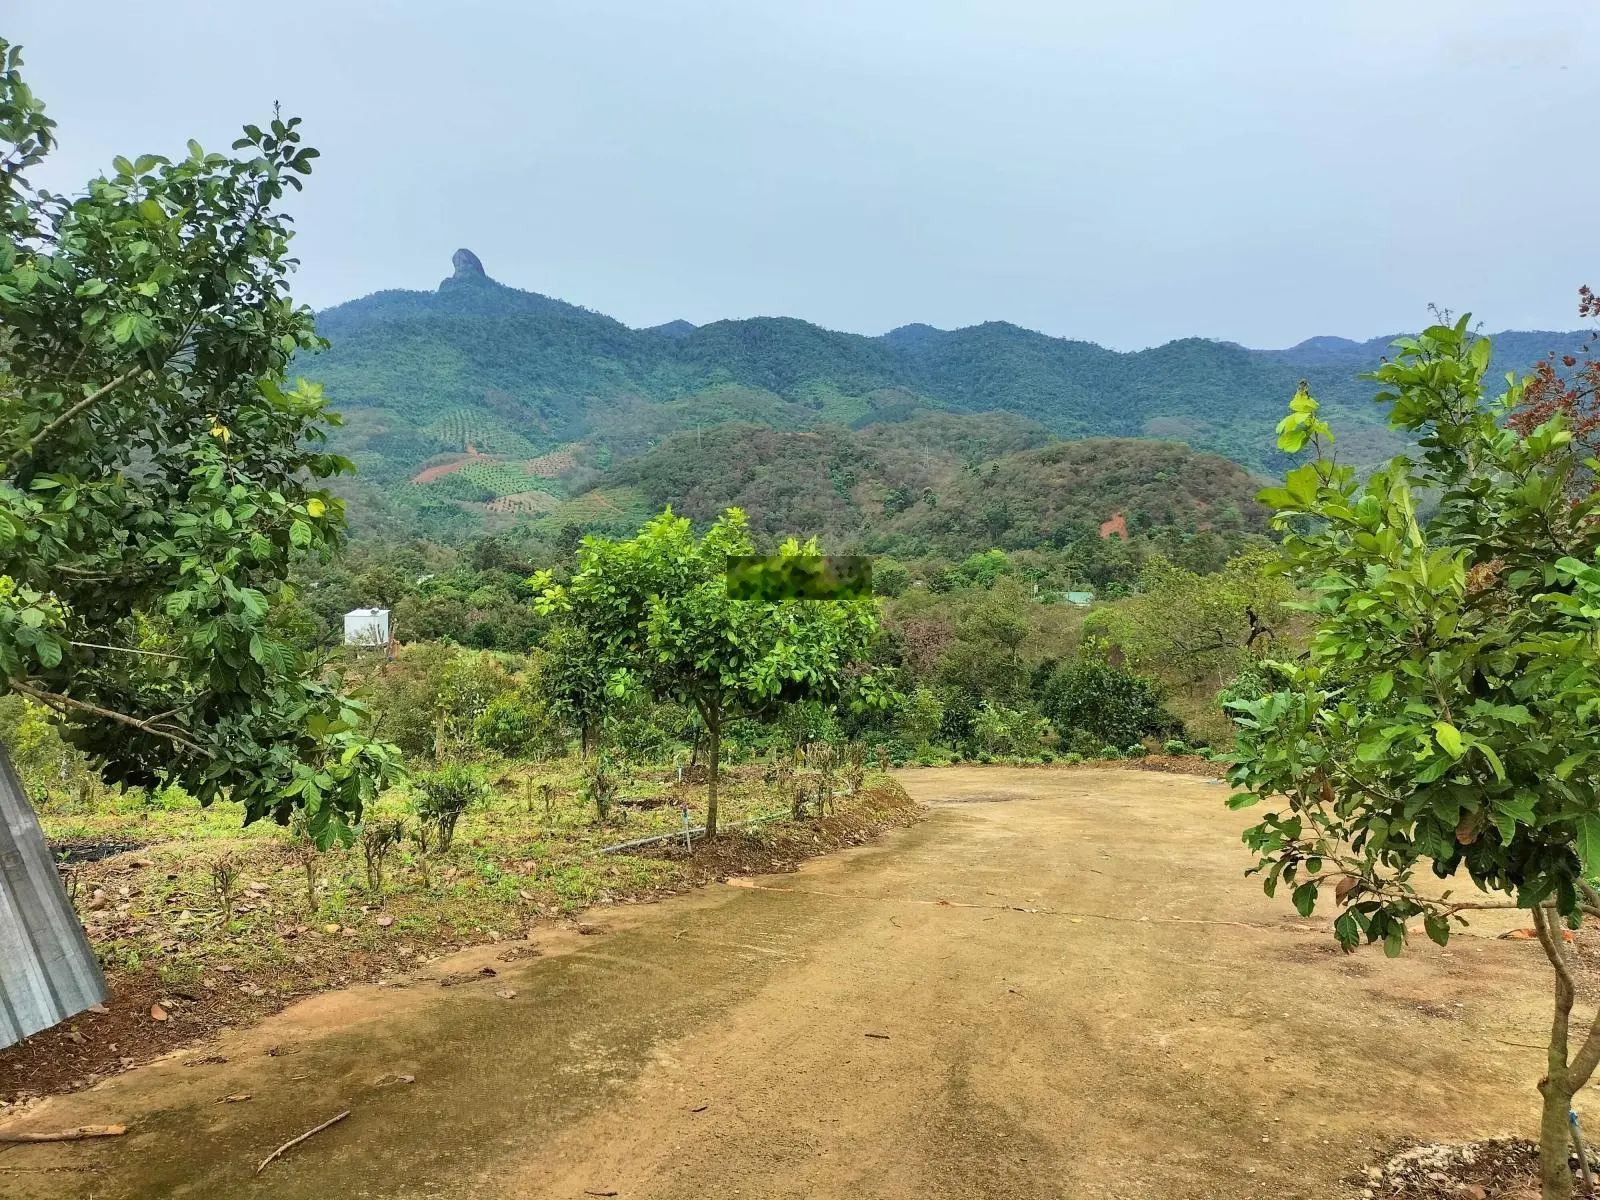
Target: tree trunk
{"x":714,"y":750}
{"x":1555,"y":1176}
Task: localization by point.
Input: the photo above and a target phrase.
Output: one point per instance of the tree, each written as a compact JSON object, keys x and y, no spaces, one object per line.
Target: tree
{"x":1092,"y":704}
{"x":1445,"y":714}
{"x":656,"y":611}
{"x":158,"y":475}
{"x":1200,"y":628}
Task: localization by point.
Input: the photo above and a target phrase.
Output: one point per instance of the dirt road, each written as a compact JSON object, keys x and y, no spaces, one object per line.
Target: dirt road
{"x":1058,"y":985}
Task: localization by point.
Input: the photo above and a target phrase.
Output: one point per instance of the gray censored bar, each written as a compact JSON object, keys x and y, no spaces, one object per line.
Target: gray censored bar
{"x":774,"y":578}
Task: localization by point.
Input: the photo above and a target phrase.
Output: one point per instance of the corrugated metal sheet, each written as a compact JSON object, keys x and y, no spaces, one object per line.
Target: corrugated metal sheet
{"x":47,"y":970}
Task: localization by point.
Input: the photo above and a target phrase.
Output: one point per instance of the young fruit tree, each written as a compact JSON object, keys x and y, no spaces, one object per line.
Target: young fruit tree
{"x":1442,"y":729}
{"x":657,"y":613}
{"x":158,"y":474}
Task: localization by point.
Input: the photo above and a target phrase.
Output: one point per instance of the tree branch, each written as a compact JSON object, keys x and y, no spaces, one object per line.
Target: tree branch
{"x":149,"y":725}
{"x":81,"y":406}
{"x":129,"y":650}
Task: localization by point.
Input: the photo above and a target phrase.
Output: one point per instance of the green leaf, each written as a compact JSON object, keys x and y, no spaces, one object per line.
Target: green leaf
{"x":1380,"y":686}
{"x":1305,"y":898}
{"x":1448,"y":737}
{"x":1394,"y":942}
{"x":1588,"y":844}
{"x":1438,"y":928}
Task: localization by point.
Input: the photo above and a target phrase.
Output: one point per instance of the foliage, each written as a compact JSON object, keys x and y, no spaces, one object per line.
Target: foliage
{"x":1445,"y":716}
{"x":1008,"y":730}
{"x":1090,"y":701}
{"x":443,"y":795}
{"x":1202,"y":628}
{"x":157,"y":476}
{"x":654,"y":613}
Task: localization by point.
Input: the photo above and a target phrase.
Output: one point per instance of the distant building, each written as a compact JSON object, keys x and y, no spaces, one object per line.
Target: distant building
{"x":367,"y":627}
{"x":1081,"y":599}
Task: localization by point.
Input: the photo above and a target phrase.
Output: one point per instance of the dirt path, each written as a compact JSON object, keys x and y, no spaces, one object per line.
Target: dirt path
{"x":902,"y":1020}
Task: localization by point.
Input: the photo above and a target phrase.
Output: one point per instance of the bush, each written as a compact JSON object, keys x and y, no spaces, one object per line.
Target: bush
{"x":985,"y":757}
{"x":1109,"y":704}
{"x":1046,"y":756}
{"x":1071,"y":757}
{"x":1108,"y":752}
{"x":1176,"y":746}
{"x":443,"y":795}
{"x":1137,"y":750}
{"x":1004,"y":731}
{"x":889,"y":578}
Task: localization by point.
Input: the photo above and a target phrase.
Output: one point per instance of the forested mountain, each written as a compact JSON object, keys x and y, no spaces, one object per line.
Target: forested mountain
{"x":480,"y":398}
{"x":942,"y":484}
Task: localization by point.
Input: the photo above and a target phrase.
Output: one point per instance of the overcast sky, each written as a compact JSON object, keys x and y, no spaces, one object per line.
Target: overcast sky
{"x":1126,"y":171}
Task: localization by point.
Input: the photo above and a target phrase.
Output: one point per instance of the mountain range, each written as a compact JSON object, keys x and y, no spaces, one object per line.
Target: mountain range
{"x":479,"y":402}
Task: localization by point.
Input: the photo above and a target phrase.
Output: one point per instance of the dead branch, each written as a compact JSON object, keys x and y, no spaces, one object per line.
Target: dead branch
{"x":293,"y":1142}
{"x":65,"y":1135}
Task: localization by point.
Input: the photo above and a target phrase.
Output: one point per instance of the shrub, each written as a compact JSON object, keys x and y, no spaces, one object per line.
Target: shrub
{"x":1109,"y":704}
{"x":1071,"y":757}
{"x":377,"y":838}
{"x":1108,"y":752}
{"x":1003,"y":730}
{"x":1176,"y":746}
{"x":1046,"y":756}
{"x":443,"y":795}
{"x":1137,"y":750}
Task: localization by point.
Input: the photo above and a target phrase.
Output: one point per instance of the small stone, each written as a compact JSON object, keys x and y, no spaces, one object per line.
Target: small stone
{"x":385,"y":920}
{"x":157,"y":1013}
{"x":507,"y":993}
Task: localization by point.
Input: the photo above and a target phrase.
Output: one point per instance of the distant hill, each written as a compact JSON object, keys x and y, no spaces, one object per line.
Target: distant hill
{"x":942,"y":484}
{"x":457,"y":397}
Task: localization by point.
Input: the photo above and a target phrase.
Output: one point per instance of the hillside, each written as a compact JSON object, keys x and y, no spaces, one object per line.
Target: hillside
{"x":482,"y":395}
{"x":948,"y":485}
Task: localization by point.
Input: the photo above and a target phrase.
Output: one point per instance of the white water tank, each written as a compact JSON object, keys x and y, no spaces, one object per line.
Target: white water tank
{"x":367,"y":627}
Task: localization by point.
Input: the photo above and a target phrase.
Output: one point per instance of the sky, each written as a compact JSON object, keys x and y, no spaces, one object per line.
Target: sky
{"x":1122,"y":171}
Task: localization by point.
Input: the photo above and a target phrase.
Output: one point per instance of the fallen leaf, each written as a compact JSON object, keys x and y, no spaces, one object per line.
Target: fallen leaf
{"x":702,"y":1108}
{"x":507,"y":993}
{"x":330,"y":928}
{"x":236,"y":1098}
{"x":386,"y":920}
{"x":157,"y":1013}
{"x":391,"y":1079}
{"x":98,"y":1008}
{"x":526,"y":895}
{"x":883,"y":1036}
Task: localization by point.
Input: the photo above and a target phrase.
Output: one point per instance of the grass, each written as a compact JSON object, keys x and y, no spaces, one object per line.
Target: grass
{"x":509,"y":864}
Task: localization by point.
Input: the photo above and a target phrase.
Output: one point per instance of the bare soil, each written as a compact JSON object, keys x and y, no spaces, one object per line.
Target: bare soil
{"x":1063,"y":987}
{"x":95,"y":1045}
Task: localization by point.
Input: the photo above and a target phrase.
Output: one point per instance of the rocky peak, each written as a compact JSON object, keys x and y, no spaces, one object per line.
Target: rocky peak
{"x":466,"y":263}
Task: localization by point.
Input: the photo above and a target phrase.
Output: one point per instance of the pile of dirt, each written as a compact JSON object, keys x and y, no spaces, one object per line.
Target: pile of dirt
{"x":1494,"y":1169}
{"x":1178,"y":764}
{"x":147,"y":1017}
